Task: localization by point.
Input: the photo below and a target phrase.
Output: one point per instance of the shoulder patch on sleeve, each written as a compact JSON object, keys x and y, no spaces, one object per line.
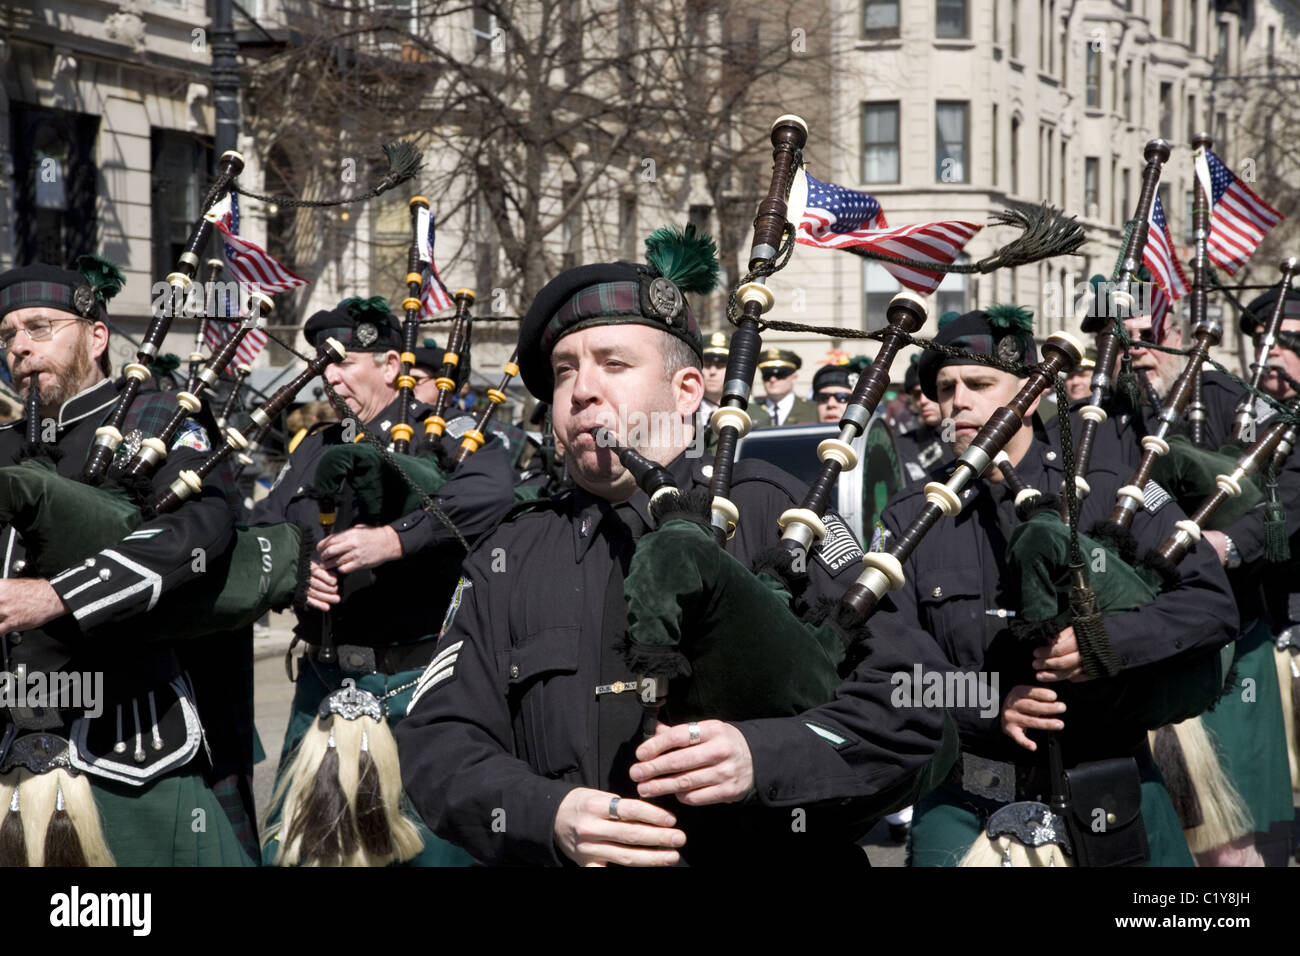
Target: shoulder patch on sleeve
{"x":284,"y":470}
{"x":193,"y":436}
{"x":1154,"y":497}
{"x":461,"y":586}
{"x":839,"y":548}
{"x":880,"y":536}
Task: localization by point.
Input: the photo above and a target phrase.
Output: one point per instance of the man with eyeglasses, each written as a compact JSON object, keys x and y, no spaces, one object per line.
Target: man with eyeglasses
{"x":138,"y":744}
{"x":782,"y":407}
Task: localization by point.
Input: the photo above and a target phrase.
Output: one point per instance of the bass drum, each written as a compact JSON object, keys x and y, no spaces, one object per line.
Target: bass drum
{"x":860,"y":495}
{"x":864,"y":492}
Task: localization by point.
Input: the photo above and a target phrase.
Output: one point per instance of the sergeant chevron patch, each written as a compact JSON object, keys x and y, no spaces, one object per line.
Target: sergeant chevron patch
{"x":1155,"y":497}
{"x":839,"y":548}
{"x":441,"y":668}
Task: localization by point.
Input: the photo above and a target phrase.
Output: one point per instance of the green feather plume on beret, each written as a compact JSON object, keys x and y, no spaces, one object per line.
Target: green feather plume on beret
{"x":375,"y":309}
{"x":689,"y":261}
{"x":104,"y":277}
{"x":1011,"y":318}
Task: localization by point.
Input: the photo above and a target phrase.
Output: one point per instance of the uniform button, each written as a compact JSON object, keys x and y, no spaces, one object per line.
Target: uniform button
{"x":104,"y":574}
{"x":90,"y":562}
{"x":937,"y":592}
{"x":1002,"y":612}
{"x":19,"y":566}
{"x":1050,"y":456}
{"x":706,"y":471}
{"x":514,"y":670}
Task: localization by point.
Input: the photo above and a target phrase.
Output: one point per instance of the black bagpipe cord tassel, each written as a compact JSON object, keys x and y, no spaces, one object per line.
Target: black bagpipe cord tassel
{"x":62,"y":845}
{"x":1277,"y":545}
{"x":13,"y":848}
{"x":372,"y":819}
{"x":1096,"y":654}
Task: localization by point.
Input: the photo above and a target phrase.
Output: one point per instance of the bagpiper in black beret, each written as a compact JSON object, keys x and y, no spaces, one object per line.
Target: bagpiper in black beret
{"x":83,"y":292}
{"x":360,"y":325}
{"x":617,"y":293}
{"x":1003,"y":331}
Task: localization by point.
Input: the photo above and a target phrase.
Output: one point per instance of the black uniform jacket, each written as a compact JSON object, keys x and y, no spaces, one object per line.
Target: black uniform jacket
{"x":144,"y":723}
{"x":956,"y":589}
{"x":411,"y":594}
{"x":506,"y":720}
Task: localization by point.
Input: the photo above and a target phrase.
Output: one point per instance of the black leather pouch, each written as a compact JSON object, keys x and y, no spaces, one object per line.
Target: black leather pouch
{"x":1106,"y":813}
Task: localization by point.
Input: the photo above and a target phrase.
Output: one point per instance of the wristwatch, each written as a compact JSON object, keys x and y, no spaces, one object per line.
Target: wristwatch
{"x":1232,"y":557}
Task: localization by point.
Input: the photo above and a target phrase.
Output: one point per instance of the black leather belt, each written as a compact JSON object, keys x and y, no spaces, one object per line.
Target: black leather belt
{"x":1004,"y":782}
{"x":360,"y":659}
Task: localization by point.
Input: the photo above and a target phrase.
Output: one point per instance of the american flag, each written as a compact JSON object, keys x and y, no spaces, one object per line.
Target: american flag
{"x":1159,"y":254}
{"x":218,"y":331}
{"x":1239,"y":219}
{"x":435,"y":295}
{"x":252,"y":267}
{"x":1159,"y":311}
{"x":839,"y":218}
{"x":248,"y":262}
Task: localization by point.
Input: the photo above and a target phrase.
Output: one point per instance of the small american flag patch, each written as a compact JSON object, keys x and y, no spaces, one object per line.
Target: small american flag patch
{"x":1154,"y":497}
{"x":839,"y":548}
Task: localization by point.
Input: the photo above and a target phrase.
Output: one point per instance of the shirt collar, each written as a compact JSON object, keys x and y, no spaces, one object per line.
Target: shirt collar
{"x":589,"y":510}
{"x":96,"y":398}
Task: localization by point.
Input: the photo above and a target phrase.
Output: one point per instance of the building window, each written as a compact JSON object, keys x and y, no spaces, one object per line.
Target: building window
{"x":879,"y":19}
{"x":997,"y":12}
{"x":1191,"y":118}
{"x":1093,"y":78}
{"x":178,"y":177}
{"x":54,"y":185}
{"x":1167,"y":111}
{"x":1189,"y":234}
{"x":1015,"y":29}
{"x":627,"y":227}
{"x":1221,"y":54}
{"x":1092,"y":187}
{"x":1128,"y":91}
{"x":485,"y":244}
{"x":1221,"y":133}
{"x":571,"y":238}
{"x":1114,"y":87}
{"x":1042,"y":32}
{"x":1125,"y":210}
{"x":1191,"y":23}
{"x":1167,"y":18}
{"x":880,"y":142}
{"x":950,"y":137}
{"x":879,"y":287}
{"x":950,"y":19}
{"x":1051,"y":38}
{"x":995,"y":145}
{"x":1064,"y":168}
{"x":1015,"y":155}
{"x":1272,"y":47}
{"x":1113,"y":182}
{"x":485,"y":32}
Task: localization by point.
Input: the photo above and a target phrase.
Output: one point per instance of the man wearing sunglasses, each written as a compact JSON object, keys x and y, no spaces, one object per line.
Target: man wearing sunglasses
{"x":832,"y":389}
{"x":783,"y":406}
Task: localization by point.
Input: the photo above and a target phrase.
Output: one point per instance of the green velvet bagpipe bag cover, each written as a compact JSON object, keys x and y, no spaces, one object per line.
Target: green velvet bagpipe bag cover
{"x":1038,"y":559}
{"x":1189,"y":472}
{"x":726,"y":636}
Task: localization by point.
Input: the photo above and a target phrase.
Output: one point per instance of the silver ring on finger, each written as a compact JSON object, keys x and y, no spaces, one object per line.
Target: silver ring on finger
{"x":613,"y":808}
{"x":693,"y":732}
